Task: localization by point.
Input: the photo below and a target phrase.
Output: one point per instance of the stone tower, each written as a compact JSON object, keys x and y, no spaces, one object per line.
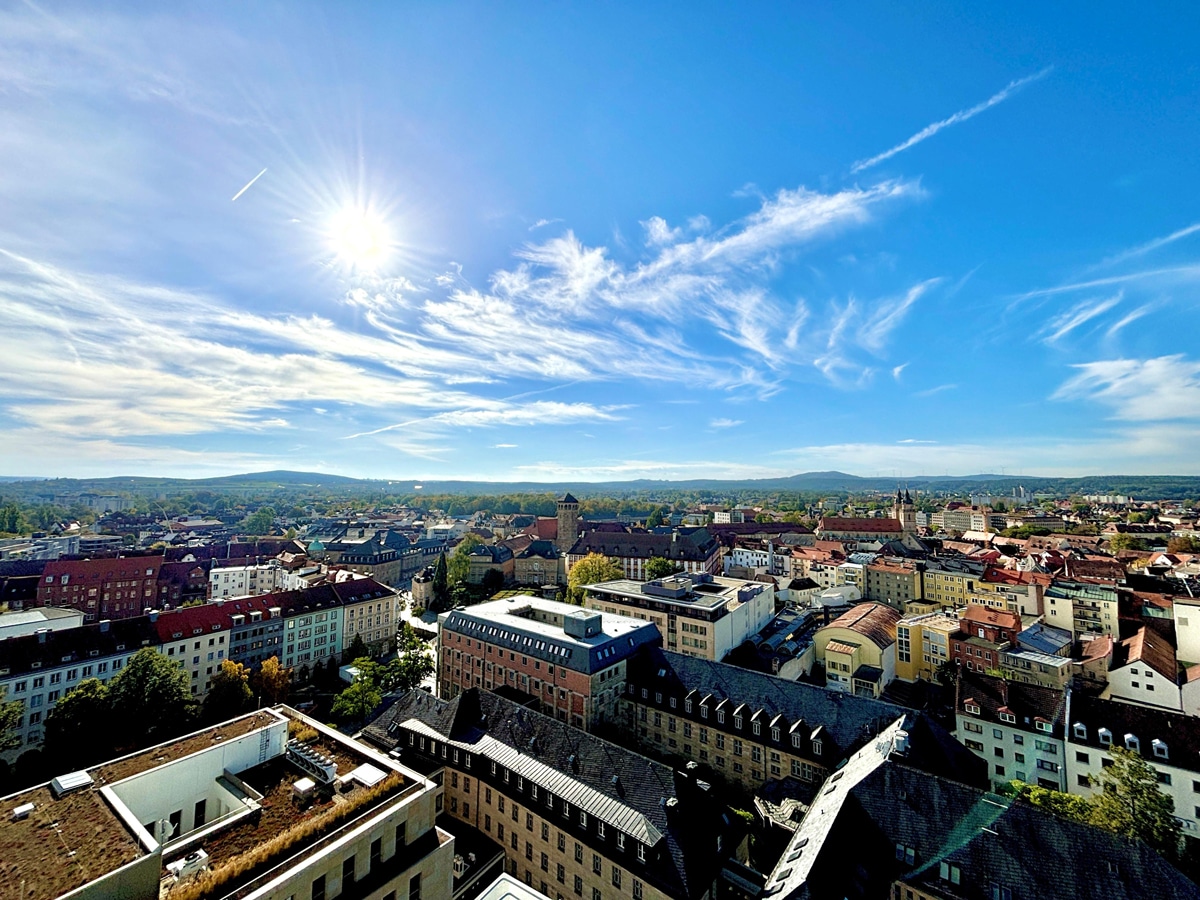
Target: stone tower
{"x":906,"y":512}
{"x":568,"y":522}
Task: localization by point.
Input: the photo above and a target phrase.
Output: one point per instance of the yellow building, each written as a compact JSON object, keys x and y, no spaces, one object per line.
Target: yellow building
{"x":923,"y":644}
{"x":858,"y":649}
{"x":950,"y":588}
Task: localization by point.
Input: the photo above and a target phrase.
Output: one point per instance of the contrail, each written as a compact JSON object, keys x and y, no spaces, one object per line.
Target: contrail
{"x":961,"y":116}
{"x":247,"y":187}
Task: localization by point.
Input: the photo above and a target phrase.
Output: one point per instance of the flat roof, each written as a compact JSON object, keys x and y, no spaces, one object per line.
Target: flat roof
{"x":69,"y":841}
{"x":705,"y":595}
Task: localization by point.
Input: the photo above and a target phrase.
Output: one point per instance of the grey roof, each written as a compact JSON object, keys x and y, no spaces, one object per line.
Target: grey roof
{"x":624,"y":789}
{"x":1180,"y":732}
{"x":877,"y":803}
{"x":692,"y":545}
{"x":506,"y":623}
{"x":844,"y":720}
{"x":1045,"y":639}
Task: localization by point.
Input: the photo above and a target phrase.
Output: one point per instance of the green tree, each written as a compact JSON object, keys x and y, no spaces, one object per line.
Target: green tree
{"x":413,"y":663}
{"x":151,"y":700}
{"x":272,"y":681}
{"x":11,"y":520}
{"x":460,"y":560}
{"x":261,"y":522}
{"x":1067,"y":806}
{"x":229,"y":694}
{"x":493,"y":580}
{"x":79,"y":726}
{"x":441,"y":587}
{"x":658,"y":567}
{"x":1125,"y":542}
{"x":1130,"y":804}
{"x":358,"y":648}
{"x":592,"y":569}
{"x":10,"y":714}
{"x":357,"y":701}
{"x":1183,"y":545}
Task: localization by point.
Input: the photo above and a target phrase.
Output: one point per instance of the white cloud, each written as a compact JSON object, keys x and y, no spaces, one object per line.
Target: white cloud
{"x":941,"y":388}
{"x":658,"y":233}
{"x":1150,"y":246}
{"x":724,"y":423}
{"x":1144,"y":390}
{"x":961,"y":116}
{"x":1080,"y":314}
{"x":503,"y":446}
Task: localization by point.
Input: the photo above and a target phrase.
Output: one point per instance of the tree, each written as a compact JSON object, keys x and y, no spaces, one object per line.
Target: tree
{"x":358,"y":648}
{"x":460,"y":561}
{"x":11,"y":521}
{"x":151,"y":699}
{"x":658,"y":567}
{"x":229,"y":694}
{"x":592,"y":569}
{"x":261,"y":522}
{"x":357,"y":701}
{"x":1125,"y":542}
{"x":493,"y":580}
{"x":412,"y":664}
{"x":441,"y":589}
{"x":10,"y":714}
{"x":1130,"y":804}
{"x":79,"y":727}
{"x":272,"y":681}
{"x":1066,"y":806}
{"x":1183,"y":545}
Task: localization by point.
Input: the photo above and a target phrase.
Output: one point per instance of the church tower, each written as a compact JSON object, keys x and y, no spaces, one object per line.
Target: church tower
{"x":568,"y":522}
{"x":906,"y":512}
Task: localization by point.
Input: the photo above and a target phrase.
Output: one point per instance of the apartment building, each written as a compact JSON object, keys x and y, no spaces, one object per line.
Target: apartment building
{"x":1082,"y":608}
{"x":39,"y":669}
{"x":258,"y":578}
{"x":1168,"y":741}
{"x":111,"y":589}
{"x":748,"y":727}
{"x":1017,"y":729}
{"x":923,"y":645}
{"x":692,"y":549}
{"x":370,"y":610}
{"x":894,"y":582}
{"x":950,"y":582}
{"x":577,"y":816}
{"x":222,"y":812}
{"x":569,"y":661}
{"x":700,"y":614}
{"x":984,"y":633}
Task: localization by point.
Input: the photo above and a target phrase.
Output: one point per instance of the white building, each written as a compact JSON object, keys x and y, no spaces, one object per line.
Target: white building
{"x":247,"y":581}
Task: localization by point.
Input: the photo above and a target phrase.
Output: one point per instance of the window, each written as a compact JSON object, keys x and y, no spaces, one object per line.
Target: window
{"x":578,"y":885}
{"x":616,"y":877}
{"x":637,"y":890}
{"x":1164,"y":778}
{"x":999,"y":892}
{"x":318,"y":888}
{"x":905,"y":854}
{"x":1160,"y":748}
{"x":1105,"y":737}
{"x":950,"y":873}
{"x":596,"y":864}
{"x":1133,"y":743}
{"x":414,"y":887}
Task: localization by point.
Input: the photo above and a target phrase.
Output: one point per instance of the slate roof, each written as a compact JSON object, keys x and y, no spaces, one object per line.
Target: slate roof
{"x":622,"y":788}
{"x":30,"y":652}
{"x":1180,"y":732}
{"x":541,"y":549}
{"x":693,"y":545}
{"x":845,"y":720}
{"x":1027,"y":702}
{"x":505,"y":623}
{"x":881,"y":807}
{"x":874,"y":526}
{"x":1045,"y":638}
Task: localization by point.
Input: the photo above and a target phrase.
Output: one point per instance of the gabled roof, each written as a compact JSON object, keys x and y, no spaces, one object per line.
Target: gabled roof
{"x":875,"y":526}
{"x":1148,"y":647}
{"x":1025,"y":702}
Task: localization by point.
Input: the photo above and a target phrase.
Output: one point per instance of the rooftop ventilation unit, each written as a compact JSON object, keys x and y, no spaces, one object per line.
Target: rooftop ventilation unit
{"x":22,"y":811}
{"x":73,"y":781}
{"x":312,"y":762}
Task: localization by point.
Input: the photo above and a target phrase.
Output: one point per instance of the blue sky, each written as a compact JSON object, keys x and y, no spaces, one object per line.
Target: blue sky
{"x":599,"y":241}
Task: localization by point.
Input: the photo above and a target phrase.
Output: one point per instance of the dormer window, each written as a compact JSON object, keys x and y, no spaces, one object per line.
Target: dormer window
{"x":737,"y":721}
{"x":816,"y":748}
{"x":1080,"y":731}
{"x":641,"y":852}
{"x":720,"y":717}
{"x":1043,"y":725}
{"x":757,"y":728}
{"x":1007,"y":717}
{"x":1105,"y":737}
{"x":673,"y":703}
{"x":971,"y":708}
{"x":620,"y":840}
{"x":1132,"y":743}
{"x":1160,"y":748}
{"x":774,"y":734}
{"x":687,"y":705}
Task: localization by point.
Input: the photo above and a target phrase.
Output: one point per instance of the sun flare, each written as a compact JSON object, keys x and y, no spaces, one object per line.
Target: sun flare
{"x":359,"y":238}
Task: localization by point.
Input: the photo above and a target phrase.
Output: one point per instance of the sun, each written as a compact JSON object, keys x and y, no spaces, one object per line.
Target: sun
{"x":359,"y":237}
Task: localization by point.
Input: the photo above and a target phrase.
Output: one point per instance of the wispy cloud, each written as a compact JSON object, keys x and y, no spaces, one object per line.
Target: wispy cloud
{"x":961,"y":116}
{"x":941,"y":388}
{"x":1143,"y":390}
{"x":1149,"y":246}
{"x":503,"y":446}
{"x":1127,"y":319}
{"x":724,"y":423}
{"x":1079,"y":314}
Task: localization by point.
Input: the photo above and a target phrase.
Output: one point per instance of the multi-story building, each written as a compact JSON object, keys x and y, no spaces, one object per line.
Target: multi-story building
{"x":569,"y":661}
{"x":312,"y":625}
{"x":371,"y":611}
{"x":541,"y":562}
{"x":255,"y":629}
{"x":576,"y":816}
{"x":1168,"y":741}
{"x":882,"y":828}
{"x":863,"y":530}
{"x":858,"y":649}
{"x":1017,"y":729}
{"x":984,"y":633}
{"x":950,"y":582}
{"x":694,"y":550}
{"x":197,"y":639}
{"x":923,"y":645}
{"x":749,"y":727}
{"x":378,"y":558}
{"x":17,"y":623}
{"x":1019,"y":592}
{"x":258,"y":578}
{"x":117,"y":588}
{"x":700,"y":614}
{"x":1144,"y":669}
{"x":241,"y":809}
{"x":486,"y":557}
{"x":567,"y":531}
{"x":39,"y":669}
{"x":1082,"y":608}
{"x":894,"y":582}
